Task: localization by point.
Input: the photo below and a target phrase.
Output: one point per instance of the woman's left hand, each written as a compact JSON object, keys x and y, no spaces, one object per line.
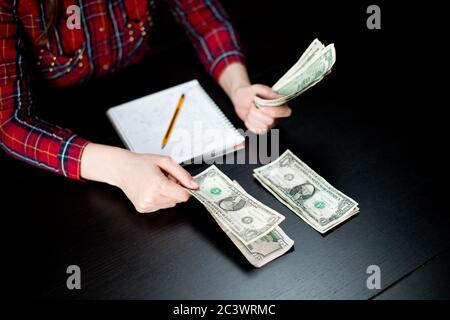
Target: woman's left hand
{"x":255,"y":119}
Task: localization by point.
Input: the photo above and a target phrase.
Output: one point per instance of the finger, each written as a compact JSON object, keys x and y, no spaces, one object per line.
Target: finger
{"x":277,"y":112}
{"x":169,"y":206}
{"x":166,"y":205}
{"x":172,"y":178}
{"x":177,"y":171}
{"x":249,"y":126}
{"x":166,"y":201}
{"x":147,"y":206}
{"x":174,"y":191}
{"x":265,"y":91}
{"x":261,"y":116}
{"x":156,"y":208}
{"x":256,"y":126}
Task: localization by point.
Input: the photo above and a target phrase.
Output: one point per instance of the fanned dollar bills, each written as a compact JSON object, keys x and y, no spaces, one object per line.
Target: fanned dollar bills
{"x":251,"y":225}
{"x":314,"y":64}
{"x":306,"y":193}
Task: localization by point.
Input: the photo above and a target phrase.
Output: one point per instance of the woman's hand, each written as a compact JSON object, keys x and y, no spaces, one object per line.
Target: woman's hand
{"x":257,"y":120}
{"x":234,"y":80}
{"x":151,"y":182}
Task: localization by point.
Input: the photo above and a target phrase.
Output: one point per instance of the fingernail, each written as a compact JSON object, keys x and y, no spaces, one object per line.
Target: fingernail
{"x":194,"y":184}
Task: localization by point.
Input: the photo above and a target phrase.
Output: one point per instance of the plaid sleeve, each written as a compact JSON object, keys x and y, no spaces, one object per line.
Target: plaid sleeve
{"x":23,"y":135}
{"x":213,"y":36}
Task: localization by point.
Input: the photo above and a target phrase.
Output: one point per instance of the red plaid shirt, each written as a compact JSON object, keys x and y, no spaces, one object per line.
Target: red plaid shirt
{"x":112,"y":35}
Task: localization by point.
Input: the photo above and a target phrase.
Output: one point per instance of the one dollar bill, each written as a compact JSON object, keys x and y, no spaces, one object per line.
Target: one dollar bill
{"x":305,"y":192}
{"x":245,"y":217}
{"x":263,"y":250}
{"x":269,"y":245}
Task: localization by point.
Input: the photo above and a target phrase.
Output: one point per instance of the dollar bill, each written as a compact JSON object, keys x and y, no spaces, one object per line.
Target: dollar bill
{"x":314,"y":64}
{"x":315,"y":47}
{"x":305,"y":192}
{"x":244,"y":216}
{"x":263,"y":250}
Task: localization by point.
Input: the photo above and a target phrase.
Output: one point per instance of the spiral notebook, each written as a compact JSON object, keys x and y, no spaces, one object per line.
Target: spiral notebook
{"x":201,"y":130}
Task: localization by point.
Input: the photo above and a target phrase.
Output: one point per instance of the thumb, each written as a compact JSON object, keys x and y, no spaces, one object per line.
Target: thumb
{"x":265,"y":92}
{"x":177,"y":171}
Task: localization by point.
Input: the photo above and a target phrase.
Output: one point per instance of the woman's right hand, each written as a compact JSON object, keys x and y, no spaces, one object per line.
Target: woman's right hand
{"x":151,"y":182}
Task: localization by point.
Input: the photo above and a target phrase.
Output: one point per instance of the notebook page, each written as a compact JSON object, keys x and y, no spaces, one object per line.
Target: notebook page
{"x":199,"y":129}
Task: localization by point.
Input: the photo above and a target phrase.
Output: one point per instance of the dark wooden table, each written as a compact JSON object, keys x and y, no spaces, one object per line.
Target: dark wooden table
{"x":355,"y":129}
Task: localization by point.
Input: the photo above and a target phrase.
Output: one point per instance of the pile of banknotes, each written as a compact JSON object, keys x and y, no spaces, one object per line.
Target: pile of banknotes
{"x":314,"y":64}
{"x":251,"y":225}
{"x":305,"y":192}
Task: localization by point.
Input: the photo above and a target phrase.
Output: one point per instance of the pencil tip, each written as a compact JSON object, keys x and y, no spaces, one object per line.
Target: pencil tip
{"x":162,"y":146}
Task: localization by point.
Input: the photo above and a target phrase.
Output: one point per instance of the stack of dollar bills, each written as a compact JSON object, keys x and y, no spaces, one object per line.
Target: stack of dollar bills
{"x":305,"y":192}
{"x":314,"y":64}
{"x":252,"y":226}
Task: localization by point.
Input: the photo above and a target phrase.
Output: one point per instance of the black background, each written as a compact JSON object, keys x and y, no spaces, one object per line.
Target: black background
{"x":375,"y":128}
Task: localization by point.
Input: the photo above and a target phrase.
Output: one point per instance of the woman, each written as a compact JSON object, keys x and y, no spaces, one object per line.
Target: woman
{"x":112,"y":34}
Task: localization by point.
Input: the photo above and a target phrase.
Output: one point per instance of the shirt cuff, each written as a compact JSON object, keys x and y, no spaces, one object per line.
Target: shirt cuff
{"x":223,"y":61}
{"x":69,"y":157}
